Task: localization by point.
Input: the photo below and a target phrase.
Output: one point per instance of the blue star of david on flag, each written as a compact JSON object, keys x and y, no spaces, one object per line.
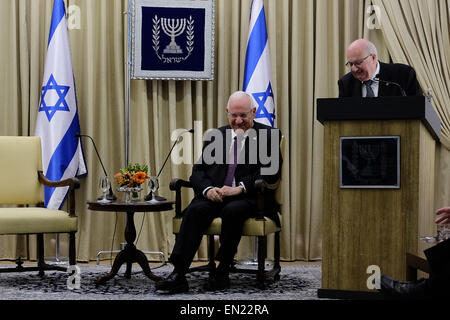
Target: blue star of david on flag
{"x":261,"y":99}
{"x":61,"y":103}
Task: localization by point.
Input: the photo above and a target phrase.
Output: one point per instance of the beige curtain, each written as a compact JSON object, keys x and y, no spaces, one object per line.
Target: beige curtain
{"x":417,"y":33}
{"x":421,"y":38}
{"x":307,"y":40}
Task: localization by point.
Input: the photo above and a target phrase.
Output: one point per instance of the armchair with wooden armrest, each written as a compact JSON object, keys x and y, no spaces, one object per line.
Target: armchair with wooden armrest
{"x":259,"y":227}
{"x":22,"y":195}
{"x":415,"y":263}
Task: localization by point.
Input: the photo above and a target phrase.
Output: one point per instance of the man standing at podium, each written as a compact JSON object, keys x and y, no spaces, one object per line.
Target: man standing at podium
{"x":369,"y":77}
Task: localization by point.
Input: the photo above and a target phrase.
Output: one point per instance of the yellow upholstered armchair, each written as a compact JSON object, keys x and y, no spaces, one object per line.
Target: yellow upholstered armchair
{"x":22,"y":197}
{"x":259,"y":227}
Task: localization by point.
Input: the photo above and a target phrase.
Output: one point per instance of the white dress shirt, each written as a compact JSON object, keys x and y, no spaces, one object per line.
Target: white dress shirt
{"x":243,"y":138}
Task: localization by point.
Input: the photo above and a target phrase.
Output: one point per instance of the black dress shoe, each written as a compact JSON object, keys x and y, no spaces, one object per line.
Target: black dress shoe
{"x":219,"y":281}
{"x":418,"y":289}
{"x":174,"y":283}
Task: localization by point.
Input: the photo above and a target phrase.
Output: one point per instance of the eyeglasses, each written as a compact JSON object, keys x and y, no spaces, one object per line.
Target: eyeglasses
{"x":243,"y":116}
{"x":357,"y":62}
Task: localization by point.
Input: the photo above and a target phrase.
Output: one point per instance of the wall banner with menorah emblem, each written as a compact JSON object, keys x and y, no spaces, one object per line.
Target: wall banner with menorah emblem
{"x":370,"y":162}
{"x":172,"y":39}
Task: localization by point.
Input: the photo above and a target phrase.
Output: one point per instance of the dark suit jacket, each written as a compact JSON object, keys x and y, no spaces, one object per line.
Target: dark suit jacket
{"x":247,"y":172}
{"x":438,"y":257}
{"x":402,"y":74}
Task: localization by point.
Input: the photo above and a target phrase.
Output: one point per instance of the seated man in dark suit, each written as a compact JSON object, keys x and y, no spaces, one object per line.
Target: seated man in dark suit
{"x":369,"y":77}
{"x":438,"y":284}
{"x":226,"y":190}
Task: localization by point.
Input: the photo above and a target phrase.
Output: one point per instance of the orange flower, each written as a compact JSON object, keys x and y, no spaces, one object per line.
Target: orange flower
{"x":140,"y":177}
{"x":132,"y":176}
{"x":119,"y":178}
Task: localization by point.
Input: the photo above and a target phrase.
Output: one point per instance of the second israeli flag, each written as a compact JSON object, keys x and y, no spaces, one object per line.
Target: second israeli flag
{"x":257,"y":74}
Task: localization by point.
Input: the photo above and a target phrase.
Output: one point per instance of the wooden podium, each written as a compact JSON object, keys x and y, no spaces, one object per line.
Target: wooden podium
{"x":375,"y":226}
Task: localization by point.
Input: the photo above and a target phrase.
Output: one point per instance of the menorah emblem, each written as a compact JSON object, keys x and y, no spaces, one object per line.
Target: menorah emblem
{"x":173,"y":28}
{"x":369,"y":153}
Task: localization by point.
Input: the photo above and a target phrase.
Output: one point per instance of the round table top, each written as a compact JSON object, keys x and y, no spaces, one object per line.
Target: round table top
{"x":139,"y":206}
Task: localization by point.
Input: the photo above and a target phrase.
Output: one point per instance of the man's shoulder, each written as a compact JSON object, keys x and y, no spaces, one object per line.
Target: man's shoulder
{"x":347,"y":77}
{"x":261,"y":126}
{"x":395,"y":67}
{"x":223,"y":128}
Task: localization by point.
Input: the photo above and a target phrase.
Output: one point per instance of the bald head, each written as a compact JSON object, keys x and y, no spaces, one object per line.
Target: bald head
{"x":362,"y":59}
{"x":363,"y":45}
{"x":241,"y":111}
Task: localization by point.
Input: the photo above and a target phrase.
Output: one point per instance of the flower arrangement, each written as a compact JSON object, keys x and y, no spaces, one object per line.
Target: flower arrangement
{"x":132,"y":176}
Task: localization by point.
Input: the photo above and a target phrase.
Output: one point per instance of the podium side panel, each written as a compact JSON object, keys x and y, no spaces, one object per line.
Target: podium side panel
{"x":426,"y":225}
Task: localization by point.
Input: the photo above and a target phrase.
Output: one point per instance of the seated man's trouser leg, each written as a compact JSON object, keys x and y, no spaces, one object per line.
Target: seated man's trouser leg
{"x":196,"y":219}
{"x":234,"y":214}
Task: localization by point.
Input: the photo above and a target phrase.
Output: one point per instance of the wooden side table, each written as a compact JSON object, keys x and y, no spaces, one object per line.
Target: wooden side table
{"x":130,"y":253}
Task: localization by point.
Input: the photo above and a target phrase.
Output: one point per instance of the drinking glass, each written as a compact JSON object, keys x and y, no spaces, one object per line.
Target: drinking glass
{"x":443,"y":233}
{"x":153,"y":184}
{"x":104,"y":185}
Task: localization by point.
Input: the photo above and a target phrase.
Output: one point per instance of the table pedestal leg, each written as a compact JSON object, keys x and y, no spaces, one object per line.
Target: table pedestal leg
{"x":129,"y":255}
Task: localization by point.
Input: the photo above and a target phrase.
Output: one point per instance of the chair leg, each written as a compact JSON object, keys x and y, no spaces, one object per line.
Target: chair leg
{"x":72,"y":250}
{"x":262,"y":251}
{"x":413,"y":264}
{"x":276,"y":255}
{"x":40,"y":253}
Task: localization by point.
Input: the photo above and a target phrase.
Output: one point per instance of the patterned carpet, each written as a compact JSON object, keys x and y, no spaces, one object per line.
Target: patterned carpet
{"x":296,"y":283}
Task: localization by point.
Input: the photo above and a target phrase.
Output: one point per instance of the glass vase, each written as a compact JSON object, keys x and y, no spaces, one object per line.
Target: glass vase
{"x":131,"y":194}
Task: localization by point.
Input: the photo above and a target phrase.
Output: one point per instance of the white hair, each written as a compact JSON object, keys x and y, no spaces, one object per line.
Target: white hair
{"x":371,"y":49}
{"x":240,"y":94}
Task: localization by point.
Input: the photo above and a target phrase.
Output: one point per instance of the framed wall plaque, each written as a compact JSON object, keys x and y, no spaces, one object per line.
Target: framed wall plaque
{"x":370,"y":162}
{"x":172,"y":39}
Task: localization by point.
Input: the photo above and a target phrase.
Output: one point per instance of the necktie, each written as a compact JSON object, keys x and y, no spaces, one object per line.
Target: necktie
{"x":369,"y":91}
{"x":232,"y":166}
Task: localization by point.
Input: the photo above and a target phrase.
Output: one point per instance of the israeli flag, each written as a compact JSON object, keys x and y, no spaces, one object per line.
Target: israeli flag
{"x":57,"y":120}
{"x":257,"y":74}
